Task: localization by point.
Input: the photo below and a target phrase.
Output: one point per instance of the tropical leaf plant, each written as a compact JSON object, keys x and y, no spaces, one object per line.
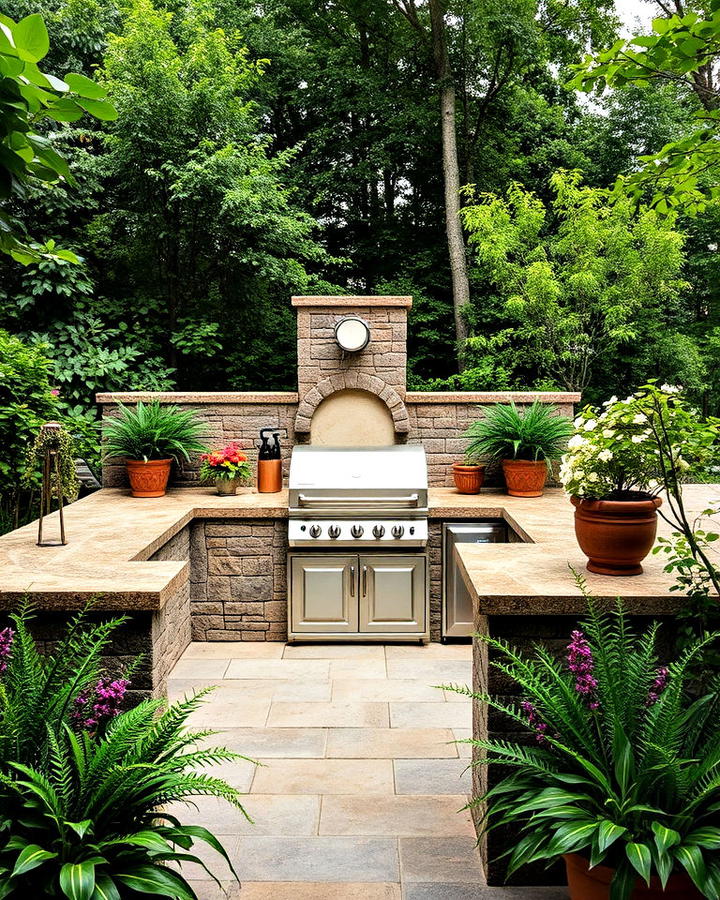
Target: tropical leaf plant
{"x":621,"y":765}
{"x":154,"y":431}
{"x":506,"y":432}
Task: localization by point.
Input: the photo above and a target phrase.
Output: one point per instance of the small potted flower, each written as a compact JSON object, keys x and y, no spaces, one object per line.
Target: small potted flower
{"x":619,"y":773}
{"x":151,"y":437}
{"x":524,"y":441}
{"x":619,"y":459}
{"x":227,"y":468}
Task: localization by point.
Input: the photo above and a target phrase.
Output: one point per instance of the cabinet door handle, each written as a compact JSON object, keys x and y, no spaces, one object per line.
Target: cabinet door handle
{"x":352,"y":581}
{"x":364,"y":586}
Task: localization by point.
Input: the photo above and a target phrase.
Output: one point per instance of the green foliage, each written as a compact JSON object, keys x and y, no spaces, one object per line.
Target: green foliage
{"x":28,"y":95}
{"x":651,"y":441}
{"x":26,"y":403}
{"x":85,"y":814}
{"x":154,"y":431}
{"x":582,"y":279}
{"x":537,"y":432}
{"x":59,"y":442}
{"x":624,"y":769}
{"x":683,"y":49}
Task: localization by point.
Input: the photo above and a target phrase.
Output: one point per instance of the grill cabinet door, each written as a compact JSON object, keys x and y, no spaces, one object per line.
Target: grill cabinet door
{"x":393,"y":594}
{"x":323,"y":594}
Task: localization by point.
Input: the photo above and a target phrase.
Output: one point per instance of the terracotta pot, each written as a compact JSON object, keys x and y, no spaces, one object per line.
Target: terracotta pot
{"x":148,"y":479}
{"x":525,"y":477}
{"x":594,"y":884}
{"x":616,"y":535}
{"x":226,"y":487}
{"x":468,"y":479}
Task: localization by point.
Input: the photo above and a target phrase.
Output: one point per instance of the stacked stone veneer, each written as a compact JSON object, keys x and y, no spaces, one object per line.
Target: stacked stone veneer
{"x":238,"y":580}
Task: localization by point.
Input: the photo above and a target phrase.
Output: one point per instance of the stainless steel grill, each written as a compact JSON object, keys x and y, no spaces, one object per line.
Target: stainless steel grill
{"x":358,"y":496}
{"x":357,"y":567}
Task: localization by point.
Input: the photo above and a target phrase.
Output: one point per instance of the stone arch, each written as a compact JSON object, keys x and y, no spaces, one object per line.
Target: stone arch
{"x":352,"y":381}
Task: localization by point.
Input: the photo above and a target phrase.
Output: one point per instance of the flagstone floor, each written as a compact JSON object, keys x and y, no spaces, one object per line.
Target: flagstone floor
{"x":360,"y":787}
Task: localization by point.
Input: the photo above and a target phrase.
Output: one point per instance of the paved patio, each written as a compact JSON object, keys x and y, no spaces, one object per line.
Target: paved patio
{"x":361,"y":784}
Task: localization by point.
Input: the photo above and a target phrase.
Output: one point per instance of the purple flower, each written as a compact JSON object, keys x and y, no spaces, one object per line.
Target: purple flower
{"x":581,"y":664}
{"x":104,"y":702}
{"x":7,"y":635}
{"x":658,"y":685}
{"x":534,"y":721}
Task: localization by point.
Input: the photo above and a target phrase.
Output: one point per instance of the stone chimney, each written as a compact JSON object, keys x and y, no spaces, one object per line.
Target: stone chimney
{"x":376,"y":375}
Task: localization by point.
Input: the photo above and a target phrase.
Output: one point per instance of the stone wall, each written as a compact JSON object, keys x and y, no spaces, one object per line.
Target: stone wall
{"x":239,"y":581}
{"x":438,"y":420}
{"x":231,"y":417}
{"x":170,"y":626}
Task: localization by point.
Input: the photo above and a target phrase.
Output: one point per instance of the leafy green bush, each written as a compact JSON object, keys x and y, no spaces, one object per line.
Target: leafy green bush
{"x":622,"y":769}
{"x":83,"y":785}
{"x":506,"y":432}
{"x":153,"y":431}
{"x":26,"y":402}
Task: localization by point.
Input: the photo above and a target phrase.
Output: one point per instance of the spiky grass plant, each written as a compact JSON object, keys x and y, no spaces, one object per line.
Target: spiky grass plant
{"x":153,"y":431}
{"x":620,"y":765}
{"x":82,"y":798}
{"x":538,"y":432}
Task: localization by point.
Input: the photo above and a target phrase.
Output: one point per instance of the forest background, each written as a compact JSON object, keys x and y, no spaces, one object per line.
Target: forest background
{"x":268,"y":148}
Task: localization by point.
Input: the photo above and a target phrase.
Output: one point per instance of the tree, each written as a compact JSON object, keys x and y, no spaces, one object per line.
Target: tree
{"x":27,"y":157}
{"x":683,"y":51}
{"x":582,"y":280}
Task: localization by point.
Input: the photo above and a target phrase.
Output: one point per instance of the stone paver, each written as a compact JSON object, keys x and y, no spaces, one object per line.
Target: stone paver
{"x":359,"y":787}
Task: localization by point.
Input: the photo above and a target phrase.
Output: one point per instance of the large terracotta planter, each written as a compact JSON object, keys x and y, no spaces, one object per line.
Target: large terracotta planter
{"x":468,"y":479}
{"x":616,"y":535}
{"x":525,"y":477}
{"x":594,"y":884}
{"x":148,"y":479}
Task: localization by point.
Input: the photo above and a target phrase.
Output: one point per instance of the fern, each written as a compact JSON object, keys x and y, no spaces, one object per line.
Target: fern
{"x":628,"y":760}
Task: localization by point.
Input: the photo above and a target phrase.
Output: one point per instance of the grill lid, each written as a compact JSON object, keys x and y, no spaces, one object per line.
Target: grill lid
{"x":358,"y":477}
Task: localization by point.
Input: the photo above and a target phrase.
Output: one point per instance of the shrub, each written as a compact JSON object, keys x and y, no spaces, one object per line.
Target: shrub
{"x":153,"y":431}
{"x":506,"y":432}
{"x":26,"y":402}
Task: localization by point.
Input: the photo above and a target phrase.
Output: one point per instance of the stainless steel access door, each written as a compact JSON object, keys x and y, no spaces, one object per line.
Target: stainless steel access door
{"x":393,"y":594}
{"x":324,"y":594}
{"x":458,"y":614}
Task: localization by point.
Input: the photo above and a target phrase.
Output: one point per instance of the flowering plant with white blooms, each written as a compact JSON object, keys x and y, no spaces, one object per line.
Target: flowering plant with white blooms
{"x":652,"y":440}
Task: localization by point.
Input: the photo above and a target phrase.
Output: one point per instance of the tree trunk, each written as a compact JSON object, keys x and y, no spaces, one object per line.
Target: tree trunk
{"x":451,"y":177}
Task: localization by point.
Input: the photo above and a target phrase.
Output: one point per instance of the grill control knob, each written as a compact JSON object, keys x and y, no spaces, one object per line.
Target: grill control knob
{"x":378,"y":530}
{"x":334,"y":531}
{"x":357,"y":531}
{"x":398,"y":531}
{"x":315,"y":531}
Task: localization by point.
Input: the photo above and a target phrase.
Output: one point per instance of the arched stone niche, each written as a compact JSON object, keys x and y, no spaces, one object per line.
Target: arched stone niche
{"x":352,"y":418}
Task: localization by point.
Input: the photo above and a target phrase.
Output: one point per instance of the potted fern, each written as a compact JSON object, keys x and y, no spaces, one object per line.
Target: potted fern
{"x":151,"y":437}
{"x":524,"y":441}
{"x":620,"y":773}
{"x":84,"y":785}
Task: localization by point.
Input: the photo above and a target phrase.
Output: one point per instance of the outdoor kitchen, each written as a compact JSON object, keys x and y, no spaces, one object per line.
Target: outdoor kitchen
{"x":351,"y":536}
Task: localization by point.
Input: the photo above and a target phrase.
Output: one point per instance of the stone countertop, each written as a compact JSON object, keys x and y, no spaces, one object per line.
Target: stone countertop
{"x":534,"y":577}
{"x":112,"y":536}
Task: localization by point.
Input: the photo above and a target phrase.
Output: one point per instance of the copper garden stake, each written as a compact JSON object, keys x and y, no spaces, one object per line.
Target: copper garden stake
{"x":50,"y":433}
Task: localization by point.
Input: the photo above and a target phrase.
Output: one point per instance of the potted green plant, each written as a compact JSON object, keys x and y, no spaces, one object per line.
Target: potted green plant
{"x":524,"y":441}
{"x":151,"y":436}
{"x":620,"y":774}
{"x":227,"y":468}
{"x":619,"y":459}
